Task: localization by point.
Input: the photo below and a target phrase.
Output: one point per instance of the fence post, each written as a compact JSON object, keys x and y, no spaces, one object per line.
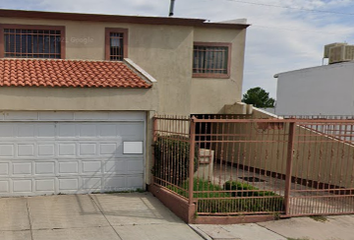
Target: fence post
{"x":154,"y":139}
{"x":154,"y":128}
{"x":191,"y":160}
{"x":289,"y":166}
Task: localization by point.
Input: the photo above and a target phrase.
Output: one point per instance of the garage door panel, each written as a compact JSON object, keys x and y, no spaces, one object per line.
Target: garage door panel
{"x":88,"y":148}
{"x":68,"y":167}
{"x":44,"y":168}
{"x":66,"y":130}
{"x":46,"y":149}
{"x":135,"y":181}
{"x":91,"y":167}
{"x":108,"y":148}
{"x":7,"y":150}
{"x":92,"y":184}
{"x":55,"y":116}
{"x":131,"y":130}
{"x":26,"y":149}
{"x":89,"y":116}
{"x":68,"y":184}
{"x":124,"y":166}
{"x":115,"y":183}
{"x":45,"y":185}
{"x":41,"y":157}
{"x":108,"y":131}
{"x":7,"y":130}
{"x":21,"y":168}
{"x":66,"y":149}
{"x":127,"y":116}
{"x":135,"y":165}
{"x":26,"y":131}
{"x":4,"y":186}
{"x":114,"y":166}
{"x":22,"y":186}
{"x":46,"y":130}
{"x":4,"y":168}
{"x":21,"y":115}
{"x":87,"y":130}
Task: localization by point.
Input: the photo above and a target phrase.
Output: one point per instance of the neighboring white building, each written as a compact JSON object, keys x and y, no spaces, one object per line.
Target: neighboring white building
{"x":323,"y":90}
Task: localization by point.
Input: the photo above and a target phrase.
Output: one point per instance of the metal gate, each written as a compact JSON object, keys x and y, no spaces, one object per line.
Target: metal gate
{"x":321,"y":168}
{"x":231,"y":166}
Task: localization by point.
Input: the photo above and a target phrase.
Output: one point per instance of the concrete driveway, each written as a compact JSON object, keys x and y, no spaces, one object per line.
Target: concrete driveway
{"x":127,"y":216}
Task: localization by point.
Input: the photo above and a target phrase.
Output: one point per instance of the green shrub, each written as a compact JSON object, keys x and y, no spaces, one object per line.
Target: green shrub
{"x":241,"y":205}
{"x":237,"y":204}
{"x":233,"y":185}
{"x":200,"y":185}
{"x":172,"y":158}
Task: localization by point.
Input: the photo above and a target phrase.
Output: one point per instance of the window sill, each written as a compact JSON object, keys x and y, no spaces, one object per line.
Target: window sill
{"x":210,"y":75}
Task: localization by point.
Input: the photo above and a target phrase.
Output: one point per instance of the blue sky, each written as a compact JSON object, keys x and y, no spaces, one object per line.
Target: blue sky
{"x":285,"y":35}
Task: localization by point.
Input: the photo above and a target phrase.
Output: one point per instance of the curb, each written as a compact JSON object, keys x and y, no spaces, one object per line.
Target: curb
{"x":200,"y":232}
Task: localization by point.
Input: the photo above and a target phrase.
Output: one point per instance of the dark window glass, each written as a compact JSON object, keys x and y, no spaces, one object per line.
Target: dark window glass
{"x":27,"y":43}
{"x":116,"y":46}
{"x":210,"y":59}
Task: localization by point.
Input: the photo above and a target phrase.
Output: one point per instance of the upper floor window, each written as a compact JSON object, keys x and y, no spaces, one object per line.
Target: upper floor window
{"x":27,"y":41}
{"x":116,"y":44}
{"x":211,"y":60}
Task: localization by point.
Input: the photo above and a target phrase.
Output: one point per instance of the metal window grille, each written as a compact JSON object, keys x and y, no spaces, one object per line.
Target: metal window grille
{"x":31,"y":43}
{"x":211,"y":59}
{"x":116,"y":46}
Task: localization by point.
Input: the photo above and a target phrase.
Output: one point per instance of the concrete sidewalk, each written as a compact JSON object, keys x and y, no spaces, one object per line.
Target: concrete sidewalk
{"x":305,"y":228}
{"x":140,"y":216}
{"x":133,"y":216}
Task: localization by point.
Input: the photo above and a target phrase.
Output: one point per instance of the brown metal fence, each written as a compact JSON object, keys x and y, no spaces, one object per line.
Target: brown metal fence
{"x":229,"y":165}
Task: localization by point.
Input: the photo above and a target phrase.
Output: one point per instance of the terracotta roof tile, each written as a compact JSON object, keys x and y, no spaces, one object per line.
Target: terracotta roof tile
{"x":68,"y":73}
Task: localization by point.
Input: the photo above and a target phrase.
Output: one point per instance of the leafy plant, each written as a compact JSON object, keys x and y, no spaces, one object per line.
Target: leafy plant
{"x":233,"y":185}
{"x":172,"y":158}
{"x":233,"y":201}
{"x":200,"y":185}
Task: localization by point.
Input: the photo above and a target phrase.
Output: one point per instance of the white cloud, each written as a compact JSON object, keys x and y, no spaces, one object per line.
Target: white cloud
{"x":281,"y":38}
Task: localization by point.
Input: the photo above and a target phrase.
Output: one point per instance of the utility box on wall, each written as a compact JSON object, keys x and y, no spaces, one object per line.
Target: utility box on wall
{"x":206,"y":164}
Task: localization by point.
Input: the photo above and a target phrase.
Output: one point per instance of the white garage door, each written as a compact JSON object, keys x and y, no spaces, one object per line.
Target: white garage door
{"x":70,"y":152}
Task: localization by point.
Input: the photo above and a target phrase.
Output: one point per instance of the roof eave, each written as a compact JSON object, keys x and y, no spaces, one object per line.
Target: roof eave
{"x":10,"y":13}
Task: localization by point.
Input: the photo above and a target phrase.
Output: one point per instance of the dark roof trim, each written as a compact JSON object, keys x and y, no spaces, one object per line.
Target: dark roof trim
{"x":116,"y":18}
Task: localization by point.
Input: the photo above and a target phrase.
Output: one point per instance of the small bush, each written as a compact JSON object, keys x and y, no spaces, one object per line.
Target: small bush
{"x":200,"y":185}
{"x":233,"y":201}
{"x":241,"y":205}
{"x":237,"y":186}
{"x":172,"y":158}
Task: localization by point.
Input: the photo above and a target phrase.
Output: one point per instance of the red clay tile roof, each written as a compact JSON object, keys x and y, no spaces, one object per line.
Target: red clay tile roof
{"x":68,"y":73}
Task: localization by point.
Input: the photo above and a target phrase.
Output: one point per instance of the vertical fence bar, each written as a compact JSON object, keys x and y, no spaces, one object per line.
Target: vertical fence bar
{"x":191,"y":159}
{"x":154,"y":128}
{"x":289,"y":167}
{"x":154,"y":132}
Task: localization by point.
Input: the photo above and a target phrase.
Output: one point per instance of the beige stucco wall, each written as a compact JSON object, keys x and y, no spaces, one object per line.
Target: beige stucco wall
{"x":82,"y":99}
{"x":168,"y":58}
{"x":165,"y":52}
{"x":209,"y":94}
{"x":316,"y":157}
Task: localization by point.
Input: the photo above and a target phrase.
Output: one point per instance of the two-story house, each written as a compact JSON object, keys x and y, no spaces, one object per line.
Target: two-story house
{"x":78,"y":92}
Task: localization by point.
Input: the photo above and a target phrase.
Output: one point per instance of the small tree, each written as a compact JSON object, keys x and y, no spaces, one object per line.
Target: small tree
{"x":258,"y":97}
